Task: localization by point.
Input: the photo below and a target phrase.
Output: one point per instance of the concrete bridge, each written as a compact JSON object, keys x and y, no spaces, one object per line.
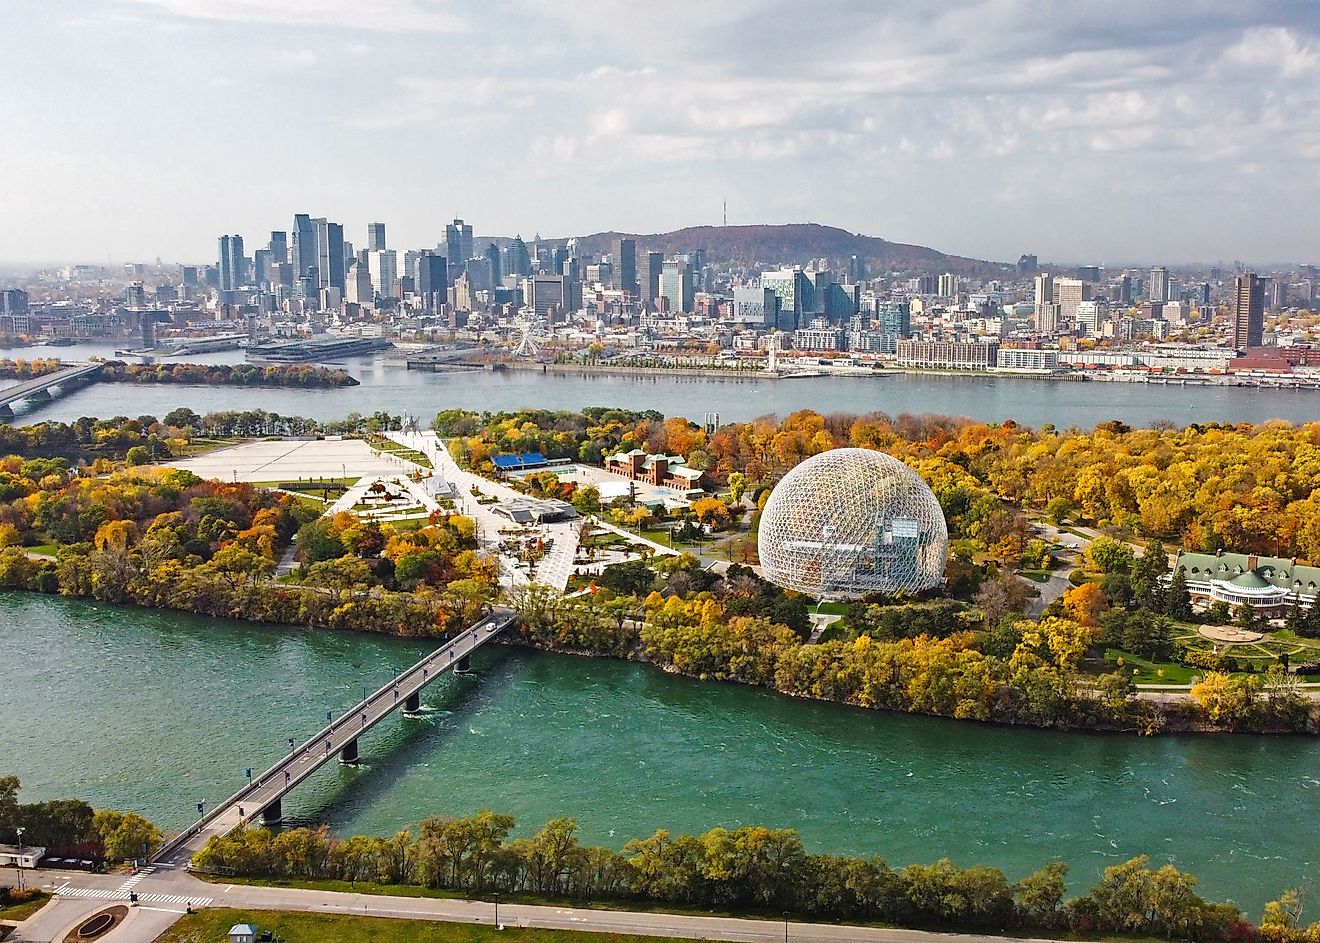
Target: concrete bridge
{"x":261,"y":798}
{"x":41,"y":387}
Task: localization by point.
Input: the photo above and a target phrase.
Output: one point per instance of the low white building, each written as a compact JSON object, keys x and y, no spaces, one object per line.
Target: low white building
{"x":12,"y":857}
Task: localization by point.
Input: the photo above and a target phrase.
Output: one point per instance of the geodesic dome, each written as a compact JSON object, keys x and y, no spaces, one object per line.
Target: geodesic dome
{"x":849,"y":522}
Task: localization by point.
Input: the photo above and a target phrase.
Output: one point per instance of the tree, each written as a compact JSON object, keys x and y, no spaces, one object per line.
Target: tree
{"x":126,"y":835}
{"x":1039,"y":895}
{"x":1005,"y":595}
{"x":1286,"y":912}
{"x":737,"y":486}
{"x":1177,"y":601}
{"x":587,"y":499}
{"x":1059,"y":510}
{"x":1109,"y":555}
{"x":138,"y":455}
{"x":1226,"y":699}
{"x":1085,"y":603}
{"x":711,"y":511}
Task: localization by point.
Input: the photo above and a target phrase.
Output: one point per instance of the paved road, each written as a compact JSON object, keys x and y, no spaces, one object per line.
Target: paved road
{"x":150,"y":920}
{"x":21,"y":391}
{"x":326,"y":745}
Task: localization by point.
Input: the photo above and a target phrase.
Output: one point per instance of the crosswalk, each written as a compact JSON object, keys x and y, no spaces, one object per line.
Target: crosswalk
{"x":132,"y":882}
{"x":97,"y":893}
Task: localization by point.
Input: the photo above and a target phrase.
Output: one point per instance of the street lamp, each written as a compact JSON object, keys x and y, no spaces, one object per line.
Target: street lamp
{"x":20,"y":831}
{"x":497,"y":909}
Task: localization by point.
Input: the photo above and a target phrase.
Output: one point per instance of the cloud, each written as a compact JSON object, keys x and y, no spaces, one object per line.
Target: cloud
{"x":392,"y":16}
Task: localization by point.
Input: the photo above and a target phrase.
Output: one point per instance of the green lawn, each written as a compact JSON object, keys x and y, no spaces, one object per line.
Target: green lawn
{"x":210,"y":926}
{"x":1149,"y":671}
{"x":46,"y":549}
{"x":18,"y":912}
{"x":1040,"y":576}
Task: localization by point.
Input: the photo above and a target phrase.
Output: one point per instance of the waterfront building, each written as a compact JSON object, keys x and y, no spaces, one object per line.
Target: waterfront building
{"x":1269,"y":585}
{"x":819,"y":338}
{"x":375,"y":237}
{"x":1027,"y":360}
{"x":1248,"y":311}
{"x":849,"y":522}
{"x":948,"y":355}
{"x":15,"y":300}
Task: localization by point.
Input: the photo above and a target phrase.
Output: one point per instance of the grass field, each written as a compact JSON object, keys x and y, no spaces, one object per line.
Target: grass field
{"x":17,"y":912}
{"x":210,"y":926}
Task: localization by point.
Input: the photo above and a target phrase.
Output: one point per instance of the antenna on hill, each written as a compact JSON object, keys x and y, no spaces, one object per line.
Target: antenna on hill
{"x":726,"y":212}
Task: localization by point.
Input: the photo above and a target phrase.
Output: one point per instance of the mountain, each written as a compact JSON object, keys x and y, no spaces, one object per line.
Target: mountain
{"x":789,"y":244}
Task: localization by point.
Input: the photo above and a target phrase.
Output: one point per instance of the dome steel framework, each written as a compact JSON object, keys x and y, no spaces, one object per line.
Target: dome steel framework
{"x":849,"y":522}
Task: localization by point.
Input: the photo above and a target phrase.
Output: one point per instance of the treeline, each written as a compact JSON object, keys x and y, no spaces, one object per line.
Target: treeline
{"x":242,"y":374}
{"x":753,"y":869}
{"x":23,"y":369}
{"x":1249,"y":488}
{"x":72,"y":826}
{"x":935,"y":657}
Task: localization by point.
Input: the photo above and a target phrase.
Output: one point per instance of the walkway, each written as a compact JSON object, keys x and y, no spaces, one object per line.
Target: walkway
{"x":336,"y":740}
{"x":148,"y":921}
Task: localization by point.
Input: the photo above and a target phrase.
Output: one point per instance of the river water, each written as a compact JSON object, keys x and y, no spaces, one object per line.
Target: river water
{"x":154,"y":711}
{"x":387,"y":385}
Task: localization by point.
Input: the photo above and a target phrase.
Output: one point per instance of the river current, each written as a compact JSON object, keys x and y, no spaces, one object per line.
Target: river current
{"x":154,"y":711}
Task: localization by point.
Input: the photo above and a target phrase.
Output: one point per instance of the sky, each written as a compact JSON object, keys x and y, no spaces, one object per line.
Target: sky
{"x":1104,"y":131}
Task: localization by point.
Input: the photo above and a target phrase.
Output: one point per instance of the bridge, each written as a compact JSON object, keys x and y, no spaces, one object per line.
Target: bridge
{"x":40,"y":387}
{"x":261,"y":797}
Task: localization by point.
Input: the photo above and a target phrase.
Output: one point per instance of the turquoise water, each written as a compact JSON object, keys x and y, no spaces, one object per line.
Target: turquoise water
{"x":154,"y":711}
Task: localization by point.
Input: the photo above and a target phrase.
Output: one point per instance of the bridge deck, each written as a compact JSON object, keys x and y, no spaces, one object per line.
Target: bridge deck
{"x":22,"y":391}
{"x":326,"y":744}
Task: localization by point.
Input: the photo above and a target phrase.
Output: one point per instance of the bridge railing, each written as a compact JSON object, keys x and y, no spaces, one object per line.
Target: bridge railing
{"x":242,"y":794}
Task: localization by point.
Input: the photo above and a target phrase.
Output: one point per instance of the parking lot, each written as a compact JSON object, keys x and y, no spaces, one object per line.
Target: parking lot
{"x":293,"y":460}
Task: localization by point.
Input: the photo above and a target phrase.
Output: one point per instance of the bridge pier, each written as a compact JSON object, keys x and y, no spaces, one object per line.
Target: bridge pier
{"x":413,"y":704}
{"x":349,"y":754}
{"x":6,"y":411}
{"x":273,"y":814}
{"x":464,"y":666}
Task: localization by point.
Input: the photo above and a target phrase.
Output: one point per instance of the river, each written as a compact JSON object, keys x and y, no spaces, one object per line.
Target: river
{"x":154,"y":711}
{"x":388,"y":386}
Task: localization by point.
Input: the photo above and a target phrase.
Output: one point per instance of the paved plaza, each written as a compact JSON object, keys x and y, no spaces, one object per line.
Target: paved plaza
{"x":292,"y":460}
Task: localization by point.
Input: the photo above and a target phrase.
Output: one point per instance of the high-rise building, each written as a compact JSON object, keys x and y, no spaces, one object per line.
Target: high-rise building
{"x":1044,"y":289}
{"x":1027,"y":264}
{"x":383,"y":264}
{"x":329,"y":254}
{"x":188,"y":274}
{"x":15,"y":301}
{"x":649,"y":282}
{"x":758,"y":307}
{"x":458,"y":243}
{"x":948,"y":286}
{"x":1157,"y":288}
{"x":1069,"y":293}
{"x":432,"y":283}
{"x":375,"y":237}
{"x":676,"y":286}
{"x":856,"y":270}
{"x":261,"y":264}
{"x":1248,"y":311}
{"x":493,"y":258}
{"x":550,"y":293}
{"x":232,"y":263}
{"x":518,"y":257}
{"x":625,"y":265}
{"x":892,"y":319}
{"x":278,"y":246}
{"x":304,"y":246}
{"x":1089,"y":273}
{"x":796,"y":296}
{"x":1091,"y":317}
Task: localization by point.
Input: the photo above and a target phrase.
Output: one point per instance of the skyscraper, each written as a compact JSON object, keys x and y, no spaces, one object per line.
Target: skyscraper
{"x":676,"y":286}
{"x":278,"y":246}
{"x":493,"y":257}
{"x":796,"y":296}
{"x":432,"y":280}
{"x":649,"y":284}
{"x":232,"y":263}
{"x":375,"y":237}
{"x":519,"y":258}
{"x":383,"y":264}
{"x":625,"y":265}
{"x":1069,"y":293}
{"x":1158,"y":286}
{"x":1248,"y":311}
{"x":458,"y":243}
{"x":329,"y":253}
{"x":304,"y":245}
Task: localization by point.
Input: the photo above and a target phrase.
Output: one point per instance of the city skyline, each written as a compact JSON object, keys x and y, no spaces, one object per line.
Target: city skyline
{"x":947,"y":128}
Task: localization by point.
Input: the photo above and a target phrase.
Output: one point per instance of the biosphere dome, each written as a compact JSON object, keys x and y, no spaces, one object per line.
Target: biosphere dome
{"x":850,"y":522}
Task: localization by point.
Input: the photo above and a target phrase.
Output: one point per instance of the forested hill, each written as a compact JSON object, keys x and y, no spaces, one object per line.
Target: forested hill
{"x":766,"y":246}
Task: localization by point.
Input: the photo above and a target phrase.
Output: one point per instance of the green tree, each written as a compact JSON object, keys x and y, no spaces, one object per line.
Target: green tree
{"x":126,"y":835}
{"x":1109,"y":555}
{"x":1177,"y":601}
{"x":138,"y":455}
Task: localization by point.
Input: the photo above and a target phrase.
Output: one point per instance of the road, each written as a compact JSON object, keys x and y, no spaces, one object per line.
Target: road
{"x":153,"y":917}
